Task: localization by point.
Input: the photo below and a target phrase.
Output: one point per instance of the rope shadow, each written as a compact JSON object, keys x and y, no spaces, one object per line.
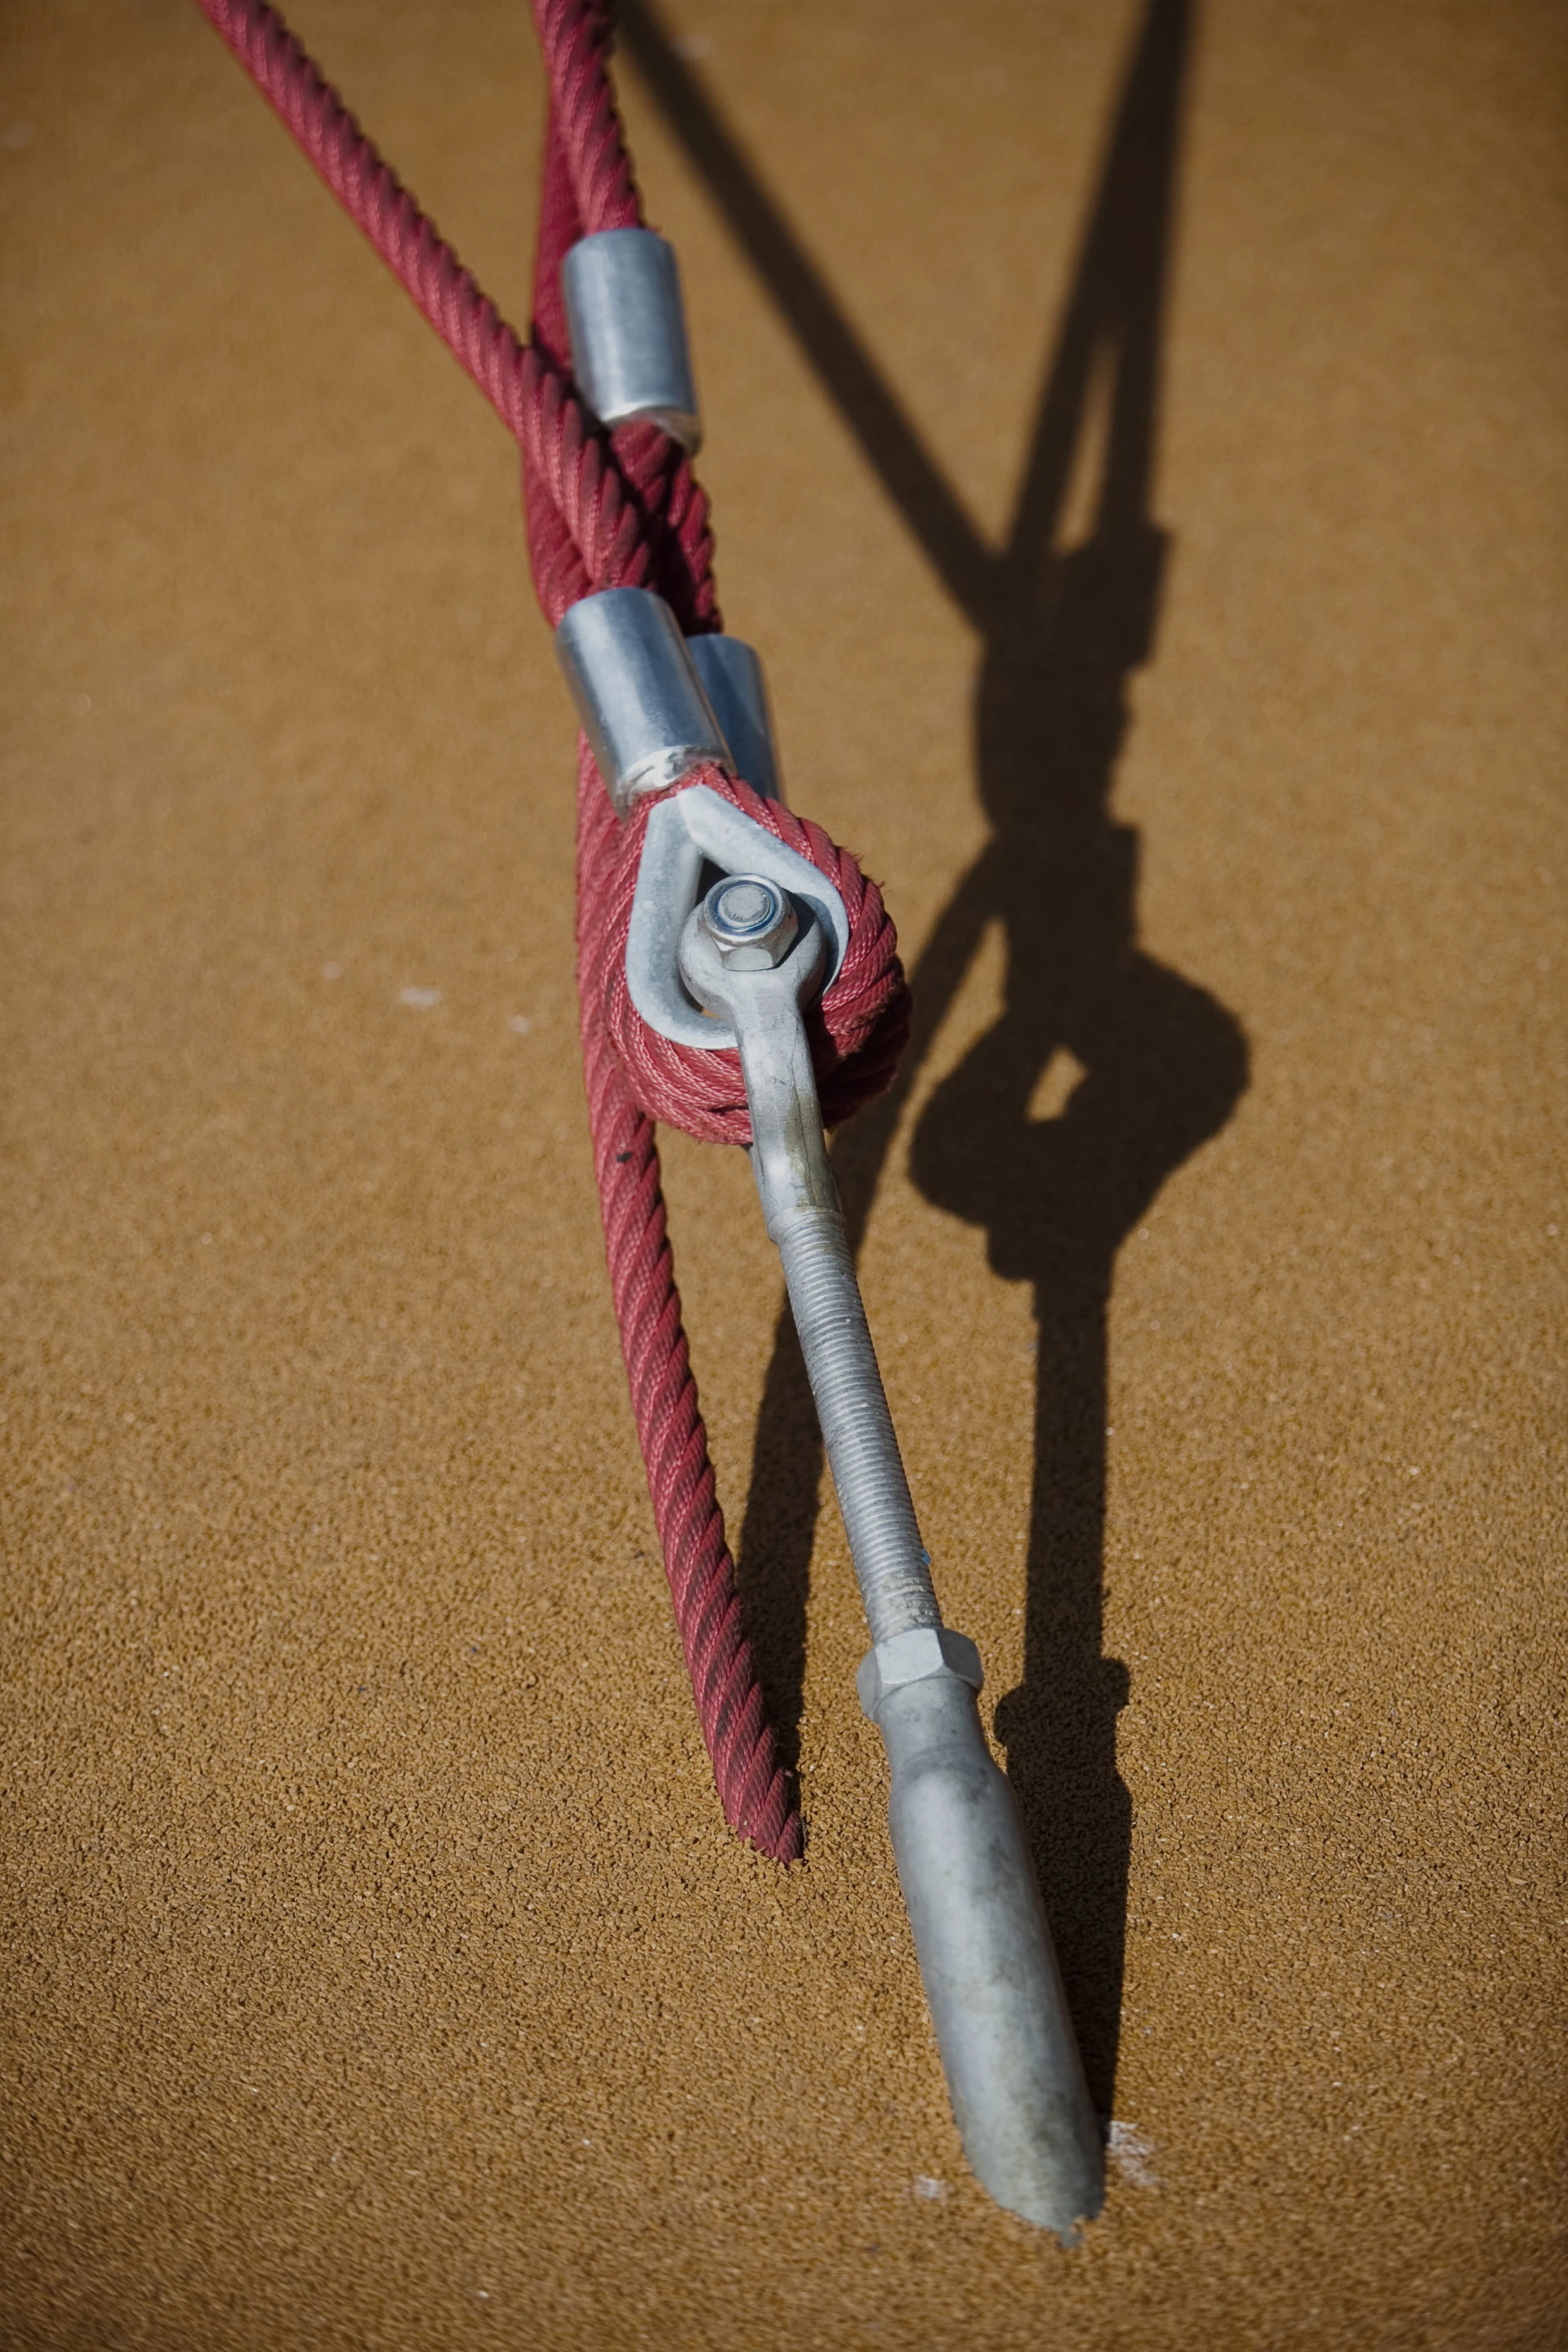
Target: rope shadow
{"x":1154,"y":1065}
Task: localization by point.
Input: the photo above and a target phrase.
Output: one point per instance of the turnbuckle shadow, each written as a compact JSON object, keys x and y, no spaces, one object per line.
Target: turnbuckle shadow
{"x":1155,"y":1064}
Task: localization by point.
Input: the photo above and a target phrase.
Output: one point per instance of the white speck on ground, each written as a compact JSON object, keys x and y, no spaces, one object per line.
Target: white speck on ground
{"x":421,"y":999}
{"x":519,"y":1021}
{"x":924,"y":2185}
{"x":1134,"y":2155}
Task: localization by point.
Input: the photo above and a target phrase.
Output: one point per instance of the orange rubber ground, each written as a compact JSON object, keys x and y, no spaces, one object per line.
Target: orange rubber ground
{"x":377,"y":1971}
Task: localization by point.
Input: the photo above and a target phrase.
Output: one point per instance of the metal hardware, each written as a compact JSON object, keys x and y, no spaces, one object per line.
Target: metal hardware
{"x":749,"y":921}
{"x":914,"y":1657}
{"x":694,"y":828}
{"x":1001,"y":2023}
{"x":732,"y":680}
{"x":640,"y":700}
{"x":629,"y":350}
{"x":800,"y":1203}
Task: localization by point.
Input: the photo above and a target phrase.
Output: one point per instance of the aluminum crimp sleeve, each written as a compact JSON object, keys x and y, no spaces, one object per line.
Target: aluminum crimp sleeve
{"x":639,"y":698}
{"x":630,"y":357}
{"x":733,"y":679}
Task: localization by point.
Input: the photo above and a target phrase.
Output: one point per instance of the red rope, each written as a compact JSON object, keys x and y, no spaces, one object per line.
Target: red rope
{"x":857,"y":1030}
{"x":603,"y":513}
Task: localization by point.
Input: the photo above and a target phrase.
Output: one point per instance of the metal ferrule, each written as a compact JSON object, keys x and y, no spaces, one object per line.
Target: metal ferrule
{"x":684,"y":835}
{"x":640,"y":700}
{"x":629,"y":352}
{"x":732,"y":680}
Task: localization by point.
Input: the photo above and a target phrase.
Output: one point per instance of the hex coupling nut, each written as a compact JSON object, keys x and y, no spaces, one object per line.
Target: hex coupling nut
{"x":916,"y":1656}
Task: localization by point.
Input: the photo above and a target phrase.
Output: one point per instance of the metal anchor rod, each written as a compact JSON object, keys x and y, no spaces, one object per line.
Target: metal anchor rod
{"x":1002,"y":2028}
{"x":800,"y":1203}
{"x":756,"y":946}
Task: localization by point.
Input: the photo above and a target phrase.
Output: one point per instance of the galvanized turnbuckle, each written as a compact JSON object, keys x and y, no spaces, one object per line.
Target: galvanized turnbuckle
{"x":733,"y":966}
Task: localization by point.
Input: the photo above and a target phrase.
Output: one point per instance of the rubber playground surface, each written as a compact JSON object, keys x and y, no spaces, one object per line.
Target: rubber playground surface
{"x":1136,"y":443}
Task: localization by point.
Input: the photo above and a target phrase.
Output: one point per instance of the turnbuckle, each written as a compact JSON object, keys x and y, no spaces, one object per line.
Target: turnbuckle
{"x":735,"y":966}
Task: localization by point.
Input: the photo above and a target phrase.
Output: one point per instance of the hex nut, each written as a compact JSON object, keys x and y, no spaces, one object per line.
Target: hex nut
{"x":751,"y":922}
{"x":917,"y":1657}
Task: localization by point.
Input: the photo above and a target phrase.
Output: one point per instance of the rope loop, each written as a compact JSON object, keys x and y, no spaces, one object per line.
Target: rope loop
{"x":857,"y":1029}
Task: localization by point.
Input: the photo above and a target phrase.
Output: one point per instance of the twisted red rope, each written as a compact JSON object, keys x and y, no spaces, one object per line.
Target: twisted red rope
{"x":621,"y":512}
{"x":857,"y":1030}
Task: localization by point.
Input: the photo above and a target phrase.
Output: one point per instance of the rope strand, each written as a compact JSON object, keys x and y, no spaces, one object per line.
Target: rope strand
{"x":602,"y":511}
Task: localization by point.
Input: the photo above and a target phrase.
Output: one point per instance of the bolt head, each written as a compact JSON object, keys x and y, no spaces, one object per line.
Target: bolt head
{"x":751,"y":922}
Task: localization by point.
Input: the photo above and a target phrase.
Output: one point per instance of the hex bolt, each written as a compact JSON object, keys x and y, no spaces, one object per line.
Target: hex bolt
{"x":749,"y":921}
